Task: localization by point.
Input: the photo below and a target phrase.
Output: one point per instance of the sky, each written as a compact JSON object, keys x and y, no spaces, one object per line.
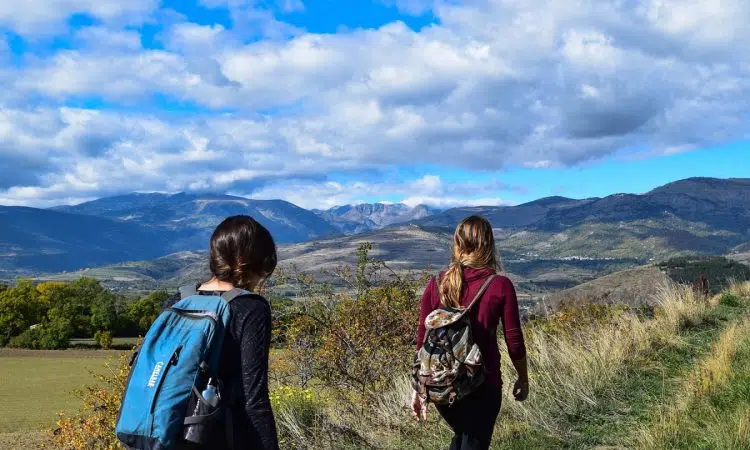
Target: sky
{"x":330,"y":102}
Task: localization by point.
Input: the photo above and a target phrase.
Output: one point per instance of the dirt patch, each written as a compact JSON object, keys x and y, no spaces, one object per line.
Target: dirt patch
{"x":23,"y":353}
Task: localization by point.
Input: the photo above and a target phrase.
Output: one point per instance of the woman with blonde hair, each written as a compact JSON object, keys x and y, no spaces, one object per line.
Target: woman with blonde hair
{"x":472,"y":276}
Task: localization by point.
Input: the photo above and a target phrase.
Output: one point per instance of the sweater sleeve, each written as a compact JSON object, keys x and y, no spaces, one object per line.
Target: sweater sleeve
{"x":425,"y":308}
{"x":254,"y":349}
{"x":512,"y":323}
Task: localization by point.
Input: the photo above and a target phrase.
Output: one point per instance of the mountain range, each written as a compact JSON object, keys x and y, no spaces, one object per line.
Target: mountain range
{"x":692,"y":216}
{"x":352,"y":219}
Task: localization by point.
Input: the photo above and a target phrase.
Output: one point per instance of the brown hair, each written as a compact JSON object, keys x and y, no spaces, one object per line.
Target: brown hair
{"x":241,"y":251}
{"x":473,"y":246}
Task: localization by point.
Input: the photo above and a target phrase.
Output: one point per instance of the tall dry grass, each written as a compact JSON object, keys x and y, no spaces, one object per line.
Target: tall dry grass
{"x":740,"y":288}
{"x":572,"y":372}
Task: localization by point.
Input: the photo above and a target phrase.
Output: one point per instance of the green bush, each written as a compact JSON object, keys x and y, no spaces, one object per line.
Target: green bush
{"x":353,"y":341}
{"x":49,"y":336}
{"x":103,"y":338}
{"x":730,"y":299}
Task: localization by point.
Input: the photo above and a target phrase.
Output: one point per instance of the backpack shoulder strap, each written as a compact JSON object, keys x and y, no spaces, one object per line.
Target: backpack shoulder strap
{"x":231,"y":294}
{"x":481,"y":292}
{"x":228,"y":296}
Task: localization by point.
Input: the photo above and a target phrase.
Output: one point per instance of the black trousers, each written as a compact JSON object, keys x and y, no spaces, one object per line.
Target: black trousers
{"x":473,"y":418}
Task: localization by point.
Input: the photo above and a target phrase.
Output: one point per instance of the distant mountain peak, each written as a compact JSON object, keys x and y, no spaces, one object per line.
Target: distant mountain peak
{"x":356,"y":218}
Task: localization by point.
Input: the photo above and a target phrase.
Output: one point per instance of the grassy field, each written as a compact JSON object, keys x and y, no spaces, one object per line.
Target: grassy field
{"x":36,"y":384}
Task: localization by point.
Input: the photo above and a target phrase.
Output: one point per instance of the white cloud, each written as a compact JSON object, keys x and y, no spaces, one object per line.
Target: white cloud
{"x":493,"y":84}
{"x":428,"y":190}
{"x":47,"y":17}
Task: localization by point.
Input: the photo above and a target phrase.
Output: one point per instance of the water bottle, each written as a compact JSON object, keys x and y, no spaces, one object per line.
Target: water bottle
{"x":200,"y":433}
{"x":209,"y":394}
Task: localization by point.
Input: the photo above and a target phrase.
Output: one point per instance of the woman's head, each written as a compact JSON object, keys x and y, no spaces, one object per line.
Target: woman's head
{"x":473,"y":246}
{"x":242,"y":252}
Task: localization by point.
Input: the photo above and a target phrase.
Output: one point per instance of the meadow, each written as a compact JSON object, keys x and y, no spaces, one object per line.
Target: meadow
{"x":36,"y":385}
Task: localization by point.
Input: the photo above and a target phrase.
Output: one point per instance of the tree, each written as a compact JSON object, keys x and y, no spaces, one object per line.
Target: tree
{"x":143,"y":312}
{"x":68,"y":306}
{"x":20,"y":307}
{"x":103,"y":313}
{"x":93,"y":305}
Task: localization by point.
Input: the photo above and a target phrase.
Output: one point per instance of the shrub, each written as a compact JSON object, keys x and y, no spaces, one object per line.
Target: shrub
{"x":103,"y":339}
{"x":730,"y":299}
{"x":355,"y":341}
{"x":49,"y":336}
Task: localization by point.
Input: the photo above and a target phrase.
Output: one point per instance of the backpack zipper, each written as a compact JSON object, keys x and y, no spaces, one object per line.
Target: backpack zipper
{"x":196,"y":314}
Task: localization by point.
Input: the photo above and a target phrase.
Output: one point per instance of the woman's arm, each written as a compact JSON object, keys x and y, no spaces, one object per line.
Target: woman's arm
{"x":254,"y":348}
{"x":513,"y":334}
{"x":425,"y":308}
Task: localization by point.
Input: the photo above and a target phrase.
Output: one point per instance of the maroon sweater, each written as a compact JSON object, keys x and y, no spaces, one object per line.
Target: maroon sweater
{"x":498,"y":304}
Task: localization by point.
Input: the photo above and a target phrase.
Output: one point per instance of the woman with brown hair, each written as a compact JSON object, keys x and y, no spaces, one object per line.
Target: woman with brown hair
{"x":242,"y":256}
{"x":474,"y":260}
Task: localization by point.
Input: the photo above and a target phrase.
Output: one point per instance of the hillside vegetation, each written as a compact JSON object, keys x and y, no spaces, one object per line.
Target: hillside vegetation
{"x":602,"y":376}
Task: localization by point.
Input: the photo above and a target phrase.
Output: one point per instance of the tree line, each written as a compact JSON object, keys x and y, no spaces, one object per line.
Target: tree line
{"x":48,"y":315}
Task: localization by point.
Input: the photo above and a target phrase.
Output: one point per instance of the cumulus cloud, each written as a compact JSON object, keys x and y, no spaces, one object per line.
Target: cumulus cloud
{"x":428,"y":190}
{"x":47,"y":17}
{"x":490,"y":85}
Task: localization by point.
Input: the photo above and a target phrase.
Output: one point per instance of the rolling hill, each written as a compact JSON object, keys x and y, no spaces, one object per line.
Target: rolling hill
{"x":692,"y":216}
{"x":405,"y":249}
{"x":189,"y":219}
{"x":49,"y":241}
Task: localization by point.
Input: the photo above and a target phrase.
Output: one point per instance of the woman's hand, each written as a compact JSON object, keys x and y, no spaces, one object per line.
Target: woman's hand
{"x":521,"y":390}
{"x":418,"y":407}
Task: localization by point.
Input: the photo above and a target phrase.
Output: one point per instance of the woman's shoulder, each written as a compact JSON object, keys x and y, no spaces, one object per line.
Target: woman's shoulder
{"x":501,"y":284}
{"x":250,"y":303}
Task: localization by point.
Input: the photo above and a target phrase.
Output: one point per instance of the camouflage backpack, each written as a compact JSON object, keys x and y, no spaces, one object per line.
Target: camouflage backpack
{"x":449,"y":365}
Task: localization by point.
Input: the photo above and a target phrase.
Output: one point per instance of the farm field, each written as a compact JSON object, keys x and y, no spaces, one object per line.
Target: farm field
{"x":36,"y":385}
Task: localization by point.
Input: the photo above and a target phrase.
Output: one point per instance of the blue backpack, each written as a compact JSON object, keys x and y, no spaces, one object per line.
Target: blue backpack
{"x":162,"y":405}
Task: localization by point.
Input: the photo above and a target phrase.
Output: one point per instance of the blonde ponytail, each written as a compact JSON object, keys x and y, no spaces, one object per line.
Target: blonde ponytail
{"x":473,"y":246}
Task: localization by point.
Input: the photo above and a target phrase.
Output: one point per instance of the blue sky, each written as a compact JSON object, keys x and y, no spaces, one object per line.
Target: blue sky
{"x":326,"y":102}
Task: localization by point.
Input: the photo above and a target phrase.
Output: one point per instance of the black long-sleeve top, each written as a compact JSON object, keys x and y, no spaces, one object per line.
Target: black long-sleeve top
{"x":244,"y":362}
